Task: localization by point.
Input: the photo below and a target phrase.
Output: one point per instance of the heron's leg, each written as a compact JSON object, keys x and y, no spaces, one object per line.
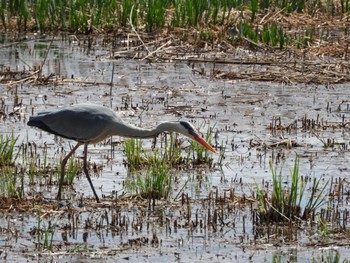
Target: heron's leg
{"x":87,"y":172}
{"x":63,"y":165}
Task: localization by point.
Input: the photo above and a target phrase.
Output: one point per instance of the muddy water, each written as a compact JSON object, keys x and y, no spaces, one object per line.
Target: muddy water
{"x":148,"y":93}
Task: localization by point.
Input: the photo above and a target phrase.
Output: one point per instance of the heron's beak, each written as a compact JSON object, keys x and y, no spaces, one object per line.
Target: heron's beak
{"x":204,"y":143}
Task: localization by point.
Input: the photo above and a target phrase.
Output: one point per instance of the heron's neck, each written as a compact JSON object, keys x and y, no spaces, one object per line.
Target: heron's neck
{"x":127,"y":130}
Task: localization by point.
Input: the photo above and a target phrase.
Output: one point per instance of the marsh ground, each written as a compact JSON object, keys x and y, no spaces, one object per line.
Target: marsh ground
{"x":213,"y":217}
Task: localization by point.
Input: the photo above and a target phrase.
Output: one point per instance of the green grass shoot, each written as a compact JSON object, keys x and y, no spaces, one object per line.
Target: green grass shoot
{"x":134,"y":152}
{"x":7,"y":145}
{"x":11,"y":185}
{"x":73,"y":168}
{"x":44,"y":233}
{"x":155,"y":183}
{"x":288,"y":203}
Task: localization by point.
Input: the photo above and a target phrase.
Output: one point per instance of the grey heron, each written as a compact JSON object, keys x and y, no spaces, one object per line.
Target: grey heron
{"x":89,"y":124}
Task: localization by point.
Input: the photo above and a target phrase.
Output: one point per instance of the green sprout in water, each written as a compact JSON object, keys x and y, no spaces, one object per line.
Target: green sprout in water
{"x":285,"y":203}
{"x":73,"y":169}
{"x":7,"y":145}
{"x":11,"y":183}
{"x":323,"y":229}
{"x":329,"y":255}
{"x":133,"y":151}
{"x":155,"y":183}
{"x":44,"y":233}
{"x":172,"y":153}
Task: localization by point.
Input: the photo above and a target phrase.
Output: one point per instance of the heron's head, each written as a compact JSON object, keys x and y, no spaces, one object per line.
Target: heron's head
{"x":188,"y":130}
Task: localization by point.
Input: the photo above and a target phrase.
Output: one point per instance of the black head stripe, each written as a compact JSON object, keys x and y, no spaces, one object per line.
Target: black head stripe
{"x":188,"y":127}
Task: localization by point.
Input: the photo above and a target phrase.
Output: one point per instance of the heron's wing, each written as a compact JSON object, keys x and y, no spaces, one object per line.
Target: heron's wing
{"x":83,"y":125}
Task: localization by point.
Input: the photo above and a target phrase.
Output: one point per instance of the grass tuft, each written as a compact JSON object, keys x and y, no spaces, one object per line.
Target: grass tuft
{"x":155,"y":183}
{"x":45,"y":234}
{"x":289,"y":203}
{"x":134,"y":153}
{"x":7,"y":144}
{"x":73,"y":168}
{"x":9,"y":183}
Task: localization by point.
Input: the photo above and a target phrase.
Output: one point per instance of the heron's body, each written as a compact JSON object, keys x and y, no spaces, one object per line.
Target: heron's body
{"x":88,"y":123}
{"x":84,"y":123}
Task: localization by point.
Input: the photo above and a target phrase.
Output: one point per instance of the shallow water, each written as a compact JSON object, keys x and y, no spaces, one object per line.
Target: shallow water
{"x":146,"y":94}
